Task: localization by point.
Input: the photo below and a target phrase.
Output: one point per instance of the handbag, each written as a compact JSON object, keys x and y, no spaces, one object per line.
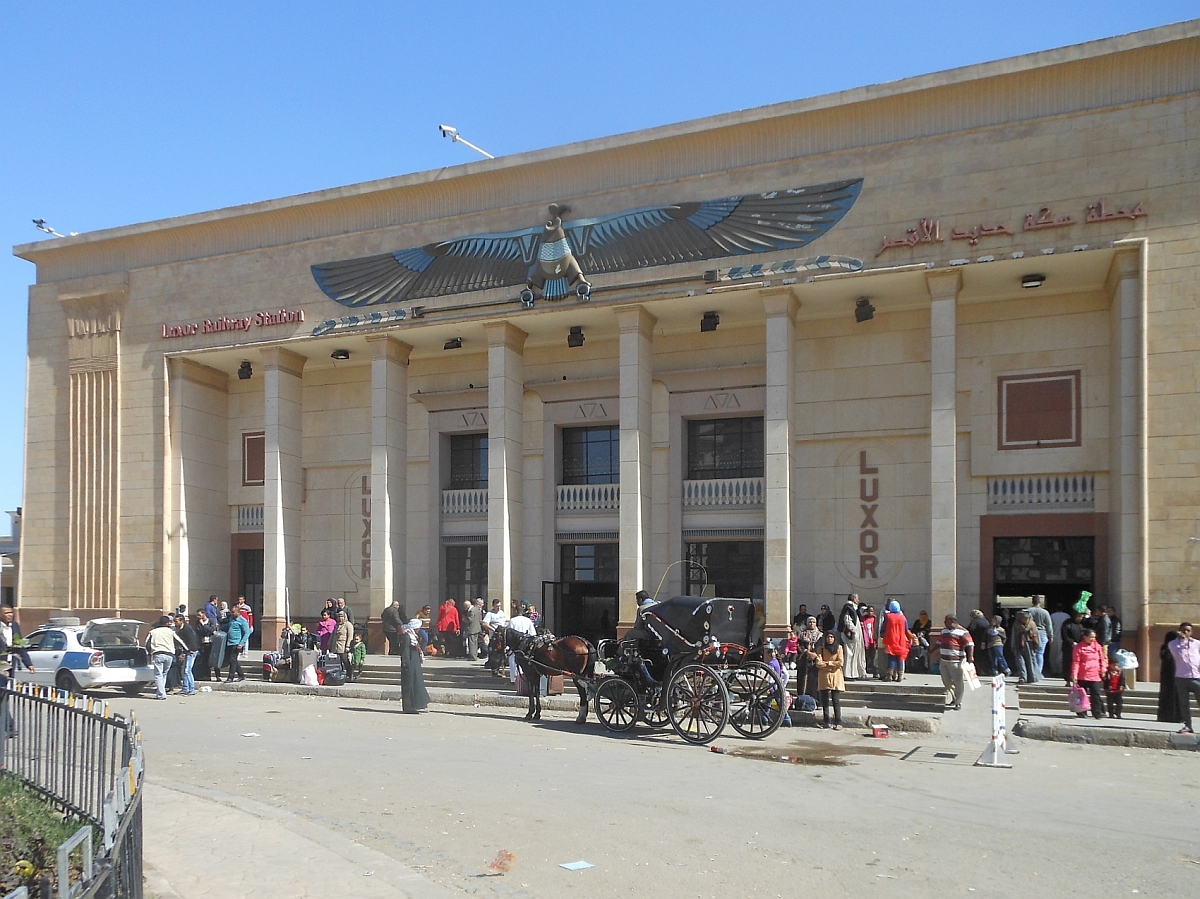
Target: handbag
{"x":1079,"y":700}
{"x":971,"y":676}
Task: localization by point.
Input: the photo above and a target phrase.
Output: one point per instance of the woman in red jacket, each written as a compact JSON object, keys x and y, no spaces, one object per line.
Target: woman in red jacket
{"x":449,"y":628}
{"x":1088,"y":666}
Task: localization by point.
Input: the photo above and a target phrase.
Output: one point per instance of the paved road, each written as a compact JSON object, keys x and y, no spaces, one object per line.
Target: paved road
{"x":330,"y":790}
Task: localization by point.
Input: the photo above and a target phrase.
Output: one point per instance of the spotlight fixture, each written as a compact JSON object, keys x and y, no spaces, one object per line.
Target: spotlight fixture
{"x":454,"y":343}
{"x":1032,"y":281}
{"x":245,"y":371}
{"x":340,"y":355}
{"x":709,"y":322}
{"x":575,"y":338}
{"x":863,"y":310}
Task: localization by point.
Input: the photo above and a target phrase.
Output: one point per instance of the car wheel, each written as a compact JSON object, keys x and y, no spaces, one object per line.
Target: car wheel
{"x":133,"y":689}
{"x":66,"y":681}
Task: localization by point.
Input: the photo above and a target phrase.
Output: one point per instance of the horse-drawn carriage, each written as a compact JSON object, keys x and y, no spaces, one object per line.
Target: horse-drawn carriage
{"x":694,"y":663}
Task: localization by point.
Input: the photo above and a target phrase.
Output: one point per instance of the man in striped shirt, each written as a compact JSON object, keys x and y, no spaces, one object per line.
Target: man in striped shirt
{"x":955,"y":650}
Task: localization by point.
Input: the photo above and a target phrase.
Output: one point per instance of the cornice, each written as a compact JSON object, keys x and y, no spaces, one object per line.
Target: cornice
{"x":1139,"y":67}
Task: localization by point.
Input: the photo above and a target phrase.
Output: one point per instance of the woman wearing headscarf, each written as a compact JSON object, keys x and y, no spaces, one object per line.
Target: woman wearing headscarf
{"x":850,"y":630}
{"x":807,"y":645}
{"x":1168,"y":702}
{"x":1028,"y":639}
{"x":325,"y":628}
{"x":413,"y":695}
{"x":896,"y":641}
{"x":830,"y":660}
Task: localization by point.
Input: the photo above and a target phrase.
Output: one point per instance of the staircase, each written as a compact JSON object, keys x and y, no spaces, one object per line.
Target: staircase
{"x":1051,"y":696}
{"x":454,"y":674}
{"x":907,"y":696}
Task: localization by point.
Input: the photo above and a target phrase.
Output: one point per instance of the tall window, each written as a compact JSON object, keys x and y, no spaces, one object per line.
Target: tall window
{"x":466,"y":571}
{"x":734,"y":569}
{"x":725,"y":448}
{"x":591,"y":455}
{"x":589,"y":562}
{"x":468,"y":461}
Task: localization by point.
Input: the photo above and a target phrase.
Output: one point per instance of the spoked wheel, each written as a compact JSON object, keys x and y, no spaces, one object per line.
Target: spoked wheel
{"x":697,"y":703}
{"x":617,"y":704}
{"x":653,"y":712}
{"x":757,"y":700}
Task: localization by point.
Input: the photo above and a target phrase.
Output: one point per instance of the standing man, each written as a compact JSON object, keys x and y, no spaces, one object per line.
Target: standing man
{"x":391,"y":621}
{"x":492,"y":622}
{"x":955,"y":649}
{"x":212,"y":609}
{"x":449,"y":627}
{"x":1045,"y":625}
{"x":235,"y":644}
{"x":1115,"y":629}
{"x":190,"y":639}
{"x":1186,"y":652}
{"x":473,"y":627}
{"x":11,"y":644}
{"x":163,"y":644}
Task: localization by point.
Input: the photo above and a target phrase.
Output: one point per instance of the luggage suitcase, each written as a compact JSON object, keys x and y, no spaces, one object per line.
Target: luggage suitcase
{"x":270,"y":662}
{"x":555,"y":687}
{"x":335,"y":674}
{"x":302,"y":658}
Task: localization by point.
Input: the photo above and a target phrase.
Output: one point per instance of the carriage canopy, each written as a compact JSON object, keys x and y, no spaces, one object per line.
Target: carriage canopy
{"x":683,"y":620}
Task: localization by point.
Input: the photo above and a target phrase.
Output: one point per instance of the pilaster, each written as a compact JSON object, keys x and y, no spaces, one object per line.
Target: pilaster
{"x":506,"y":389}
{"x":943,"y":560}
{"x":389,"y":471}
{"x":636,"y":361}
{"x":781,"y":306}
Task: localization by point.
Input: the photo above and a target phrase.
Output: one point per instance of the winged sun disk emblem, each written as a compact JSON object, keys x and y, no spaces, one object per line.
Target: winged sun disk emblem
{"x":555,"y":260}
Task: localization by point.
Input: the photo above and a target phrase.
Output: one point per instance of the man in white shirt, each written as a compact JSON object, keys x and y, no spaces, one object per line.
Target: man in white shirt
{"x":492,"y":622}
{"x":522,"y":625}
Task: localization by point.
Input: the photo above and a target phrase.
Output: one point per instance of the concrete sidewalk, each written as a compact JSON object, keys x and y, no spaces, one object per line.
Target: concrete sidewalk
{"x":187,"y":852}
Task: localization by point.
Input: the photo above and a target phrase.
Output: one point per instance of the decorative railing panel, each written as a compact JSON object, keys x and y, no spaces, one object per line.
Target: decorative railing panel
{"x":588,"y":498}
{"x":250,"y":519}
{"x":723,"y":493}
{"x":1045,"y":493}
{"x":471,"y":503}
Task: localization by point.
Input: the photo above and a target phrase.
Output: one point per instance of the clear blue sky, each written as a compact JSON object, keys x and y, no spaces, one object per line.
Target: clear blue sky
{"x":119,"y":112}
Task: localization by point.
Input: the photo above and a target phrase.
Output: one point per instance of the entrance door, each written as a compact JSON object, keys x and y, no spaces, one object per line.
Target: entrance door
{"x":1056,"y":567}
{"x":250,"y":585}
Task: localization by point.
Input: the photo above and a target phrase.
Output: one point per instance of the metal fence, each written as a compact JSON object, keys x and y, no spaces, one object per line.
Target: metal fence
{"x":87,"y":760}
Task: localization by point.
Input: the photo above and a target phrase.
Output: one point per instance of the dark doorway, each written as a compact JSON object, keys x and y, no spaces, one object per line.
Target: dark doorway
{"x":587,"y":595}
{"x":250,"y":585}
{"x":732,"y":569}
{"x":1056,"y":567}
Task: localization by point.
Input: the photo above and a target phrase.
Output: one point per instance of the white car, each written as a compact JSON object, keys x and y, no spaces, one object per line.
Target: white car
{"x":105,"y":652}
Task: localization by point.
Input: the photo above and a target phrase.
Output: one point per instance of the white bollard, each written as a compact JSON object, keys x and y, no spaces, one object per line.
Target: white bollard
{"x":994,"y":756}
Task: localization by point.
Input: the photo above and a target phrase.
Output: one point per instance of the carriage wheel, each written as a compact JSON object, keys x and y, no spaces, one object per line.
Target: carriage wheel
{"x":616,"y":704}
{"x":757,"y":699}
{"x":697,"y":703}
{"x":653,"y":712}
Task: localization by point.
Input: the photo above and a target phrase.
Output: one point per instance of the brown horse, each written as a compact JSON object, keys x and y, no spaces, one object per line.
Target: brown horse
{"x":545,"y":655}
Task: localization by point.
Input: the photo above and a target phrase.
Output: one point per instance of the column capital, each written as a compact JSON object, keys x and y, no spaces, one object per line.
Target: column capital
{"x":944,"y":284}
{"x":780,"y":301}
{"x":384,"y":346}
{"x":1127,"y":263}
{"x":276,"y":358}
{"x":505,"y":334}
{"x":187,"y":370}
{"x":635,"y":318}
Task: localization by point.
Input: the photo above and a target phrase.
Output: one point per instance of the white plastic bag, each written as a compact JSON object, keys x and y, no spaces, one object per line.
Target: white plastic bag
{"x":971,"y":676}
{"x":308,"y":677}
{"x":1125,"y":659}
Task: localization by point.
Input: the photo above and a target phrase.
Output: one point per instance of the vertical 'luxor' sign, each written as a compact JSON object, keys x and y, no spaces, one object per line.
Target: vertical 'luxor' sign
{"x":366,"y":521}
{"x":868,"y":533}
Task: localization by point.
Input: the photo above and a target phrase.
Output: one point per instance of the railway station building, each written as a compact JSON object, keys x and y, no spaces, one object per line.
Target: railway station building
{"x":936,"y":339}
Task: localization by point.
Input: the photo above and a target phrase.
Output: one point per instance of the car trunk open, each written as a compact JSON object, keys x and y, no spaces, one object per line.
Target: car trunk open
{"x":118,"y":640}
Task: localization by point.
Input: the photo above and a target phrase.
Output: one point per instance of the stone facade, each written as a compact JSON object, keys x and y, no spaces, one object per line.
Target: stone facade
{"x":884,"y":466}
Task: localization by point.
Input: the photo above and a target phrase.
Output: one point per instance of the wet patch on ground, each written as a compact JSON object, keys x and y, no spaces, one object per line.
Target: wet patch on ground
{"x":811,"y":752}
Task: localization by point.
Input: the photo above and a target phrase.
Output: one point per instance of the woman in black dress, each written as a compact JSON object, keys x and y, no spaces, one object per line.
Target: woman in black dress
{"x":1168,"y":702}
{"x":809,"y":639}
{"x":413,"y":695}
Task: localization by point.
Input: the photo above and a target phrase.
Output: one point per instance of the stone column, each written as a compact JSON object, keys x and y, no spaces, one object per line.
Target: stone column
{"x":282,"y":488}
{"x":506,"y":399}
{"x":781,"y":306}
{"x":635,"y":325}
{"x":1130,"y":484}
{"x":389,"y":474}
{"x":943,"y":490}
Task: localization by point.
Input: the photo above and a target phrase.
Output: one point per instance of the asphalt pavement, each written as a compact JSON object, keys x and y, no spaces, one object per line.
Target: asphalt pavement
{"x":256,"y":794}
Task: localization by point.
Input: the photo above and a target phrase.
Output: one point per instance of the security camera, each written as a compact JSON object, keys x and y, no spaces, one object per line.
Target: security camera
{"x":448,"y":130}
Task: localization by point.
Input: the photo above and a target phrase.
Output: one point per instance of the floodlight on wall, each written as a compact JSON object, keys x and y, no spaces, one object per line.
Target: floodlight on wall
{"x":863,"y":310}
{"x":245,"y":371}
{"x":709,"y":322}
{"x":575,"y":338}
{"x":1031,"y":281}
{"x":340,"y":355}
{"x":454,"y":343}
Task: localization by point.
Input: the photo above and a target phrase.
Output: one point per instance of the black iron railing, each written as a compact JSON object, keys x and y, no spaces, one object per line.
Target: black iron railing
{"x":87,"y":760}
